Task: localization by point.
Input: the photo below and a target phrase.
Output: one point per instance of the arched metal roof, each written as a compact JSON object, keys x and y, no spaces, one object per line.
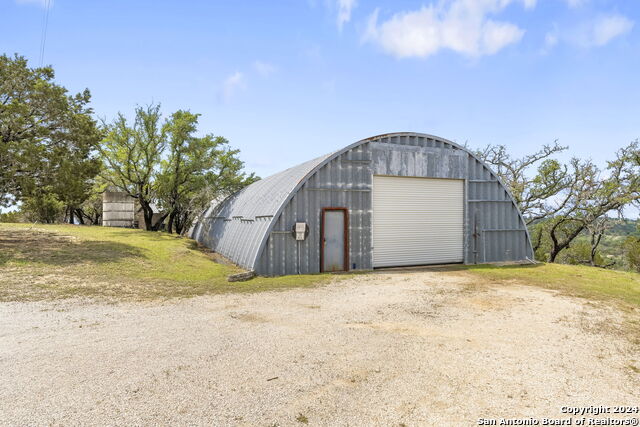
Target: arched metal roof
{"x":239,"y":226}
{"x":239,"y":222}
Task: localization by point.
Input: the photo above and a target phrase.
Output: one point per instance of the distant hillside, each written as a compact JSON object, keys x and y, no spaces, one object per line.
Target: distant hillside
{"x":611,"y":245}
{"x":627,"y":227}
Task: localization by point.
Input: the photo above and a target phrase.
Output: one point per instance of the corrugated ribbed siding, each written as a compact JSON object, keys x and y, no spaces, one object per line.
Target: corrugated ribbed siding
{"x":236,"y":226}
{"x":344,"y":179}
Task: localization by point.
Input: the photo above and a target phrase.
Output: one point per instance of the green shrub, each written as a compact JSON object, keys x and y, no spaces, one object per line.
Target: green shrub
{"x":14,"y":216}
{"x":631,"y":248}
{"x":579,"y":253}
{"x":43,"y":207}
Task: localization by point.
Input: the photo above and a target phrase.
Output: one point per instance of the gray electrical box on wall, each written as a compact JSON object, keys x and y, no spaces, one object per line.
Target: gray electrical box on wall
{"x":300,"y":230}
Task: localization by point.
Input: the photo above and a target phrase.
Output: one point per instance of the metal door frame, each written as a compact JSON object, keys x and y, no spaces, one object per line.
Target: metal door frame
{"x":345,"y":235}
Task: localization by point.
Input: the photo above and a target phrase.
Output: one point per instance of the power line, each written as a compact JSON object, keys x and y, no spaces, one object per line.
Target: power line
{"x":45,"y":24}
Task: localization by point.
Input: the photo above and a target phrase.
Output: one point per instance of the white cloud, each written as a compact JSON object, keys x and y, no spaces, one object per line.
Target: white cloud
{"x":608,"y":28}
{"x":344,"y":11}
{"x":599,"y":32}
{"x":594,"y":33}
{"x":551,"y":39}
{"x":264,"y":68}
{"x":232,"y":84}
{"x":459,"y":25}
{"x":497,"y":35}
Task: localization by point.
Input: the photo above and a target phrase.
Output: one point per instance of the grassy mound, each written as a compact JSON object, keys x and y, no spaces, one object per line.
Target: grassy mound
{"x":60,"y":261}
{"x":576,"y":280}
{"x":57,"y":261}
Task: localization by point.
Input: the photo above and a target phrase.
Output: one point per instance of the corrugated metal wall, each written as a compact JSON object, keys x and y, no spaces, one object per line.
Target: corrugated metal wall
{"x":344,"y":181}
{"x":236,"y":226}
{"x":494,"y":230}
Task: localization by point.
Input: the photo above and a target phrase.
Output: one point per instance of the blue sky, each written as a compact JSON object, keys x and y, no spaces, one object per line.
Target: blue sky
{"x":286,"y":81}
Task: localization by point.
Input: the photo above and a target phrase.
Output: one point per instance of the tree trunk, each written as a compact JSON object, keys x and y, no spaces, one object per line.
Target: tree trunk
{"x":172,"y":216}
{"x":71,"y":215}
{"x":554,"y":242}
{"x":182,"y":221}
{"x":179,"y":225}
{"x":559,"y":246}
{"x":595,"y":242}
{"x":147,"y":213}
{"x":80,"y":216}
{"x":159,"y":222}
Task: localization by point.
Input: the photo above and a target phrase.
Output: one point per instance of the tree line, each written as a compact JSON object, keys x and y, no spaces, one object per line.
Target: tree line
{"x":165,"y":163}
{"x":563,"y":201}
{"x":57,"y":159}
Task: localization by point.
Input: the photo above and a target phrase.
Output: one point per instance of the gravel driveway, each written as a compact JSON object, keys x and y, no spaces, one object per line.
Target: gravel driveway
{"x":392,"y":348}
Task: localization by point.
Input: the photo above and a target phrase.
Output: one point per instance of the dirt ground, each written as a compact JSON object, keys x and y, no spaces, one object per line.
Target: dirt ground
{"x":392,"y":348}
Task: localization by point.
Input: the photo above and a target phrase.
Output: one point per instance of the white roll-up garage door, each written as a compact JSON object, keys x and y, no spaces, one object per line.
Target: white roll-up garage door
{"x":417,"y":221}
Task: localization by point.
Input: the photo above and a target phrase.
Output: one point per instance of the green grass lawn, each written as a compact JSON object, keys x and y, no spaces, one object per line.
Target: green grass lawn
{"x":57,"y":261}
{"x":576,"y":280}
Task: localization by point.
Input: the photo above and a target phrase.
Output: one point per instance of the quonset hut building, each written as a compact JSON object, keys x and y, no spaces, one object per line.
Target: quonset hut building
{"x":396,"y":199}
